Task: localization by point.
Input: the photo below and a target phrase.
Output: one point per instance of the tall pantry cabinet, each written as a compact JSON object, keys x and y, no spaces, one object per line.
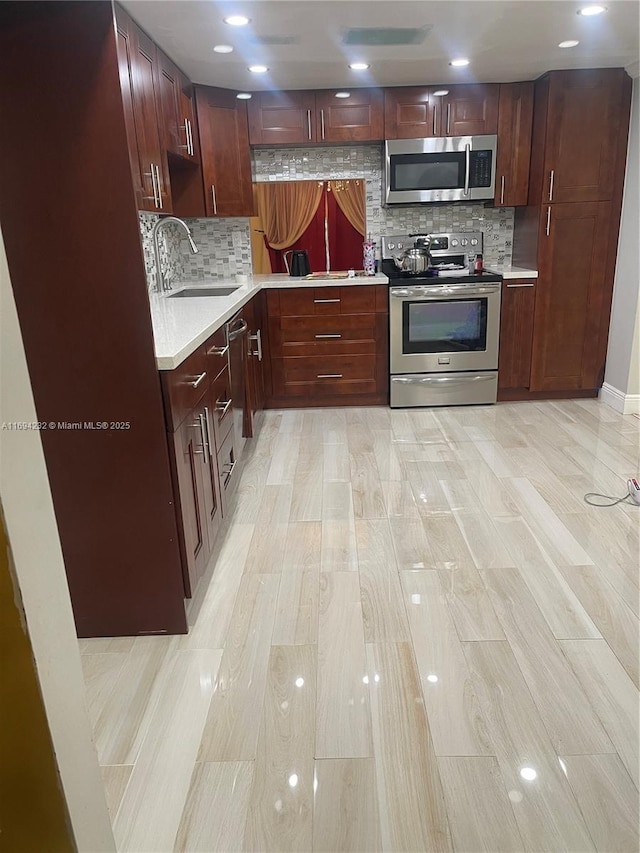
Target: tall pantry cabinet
{"x":569,"y":230}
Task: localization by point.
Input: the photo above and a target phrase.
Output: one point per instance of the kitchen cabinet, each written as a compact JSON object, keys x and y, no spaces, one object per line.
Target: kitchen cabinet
{"x":138,"y":68}
{"x":328,"y":345}
{"x":416,"y":112}
{"x":579,"y":119}
{"x":573,"y":298}
{"x":516,"y":333}
{"x":226,"y":158}
{"x":257,"y":350}
{"x":177,"y":110}
{"x":515,"y":118}
{"x":296,"y":118}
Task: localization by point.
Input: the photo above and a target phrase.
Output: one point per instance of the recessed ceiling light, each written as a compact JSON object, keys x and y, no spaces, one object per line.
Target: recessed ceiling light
{"x":244,"y":96}
{"x":223,"y":48}
{"x":440,"y":93}
{"x":343,"y":94}
{"x":237,"y":20}
{"x":358,"y":66}
{"x":569,"y":43}
{"x":258,"y":69}
{"x":459,"y":63}
{"x":592,"y":10}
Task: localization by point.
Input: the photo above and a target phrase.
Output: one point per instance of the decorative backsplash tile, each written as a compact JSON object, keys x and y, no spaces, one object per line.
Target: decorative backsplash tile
{"x":365,"y":161}
{"x":224,"y":249}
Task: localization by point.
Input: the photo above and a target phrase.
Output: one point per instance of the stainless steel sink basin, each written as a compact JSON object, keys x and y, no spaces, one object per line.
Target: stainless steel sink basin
{"x":204,"y":291}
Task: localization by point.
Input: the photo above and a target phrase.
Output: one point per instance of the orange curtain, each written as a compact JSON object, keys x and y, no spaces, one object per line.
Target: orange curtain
{"x":350,"y":198}
{"x":286,"y":209}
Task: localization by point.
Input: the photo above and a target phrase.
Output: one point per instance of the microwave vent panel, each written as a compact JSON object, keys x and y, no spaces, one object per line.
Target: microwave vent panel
{"x":385,"y":36}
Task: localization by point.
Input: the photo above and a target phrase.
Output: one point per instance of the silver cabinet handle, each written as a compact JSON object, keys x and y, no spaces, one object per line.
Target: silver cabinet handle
{"x":234,"y":334}
{"x":205,"y":444}
{"x":160,"y":204}
{"x":326,"y":300}
{"x":329,"y":376}
{"x":153,"y":186}
{"x":322,"y":122}
{"x":258,"y":339}
{"x":207,"y":429}
{"x":548,"y":220}
{"x":502,"y":190}
{"x":191,"y":151}
{"x":223,"y":408}
{"x":521,"y":285}
{"x":467,"y":167}
{"x":221,"y":351}
{"x":185,"y":127}
{"x":198,"y":380}
{"x":215,"y":203}
{"x":435,"y":112}
{"x":551,"y":177}
{"x":309,"y":123}
{"x":328,"y":336}
{"x":448,"y":119}
{"x":227,"y":472}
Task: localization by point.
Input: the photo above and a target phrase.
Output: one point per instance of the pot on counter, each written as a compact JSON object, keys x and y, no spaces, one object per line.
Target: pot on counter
{"x":417,"y":259}
{"x":299,"y":265}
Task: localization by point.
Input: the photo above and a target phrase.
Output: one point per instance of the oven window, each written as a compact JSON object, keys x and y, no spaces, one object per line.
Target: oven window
{"x":448,"y":325}
{"x":444,"y":171}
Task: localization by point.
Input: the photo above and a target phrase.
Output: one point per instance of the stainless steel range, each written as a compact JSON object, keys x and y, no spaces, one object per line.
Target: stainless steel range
{"x":444,"y":323}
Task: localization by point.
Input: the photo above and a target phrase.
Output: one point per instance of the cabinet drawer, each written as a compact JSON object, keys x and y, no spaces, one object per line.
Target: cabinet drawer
{"x":183,"y":387}
{"x":309,"y":301}
{"x":221,"y":406}
{"x":326,"y":335}
{"x":326,"y":376}
{"x":216,"y":351}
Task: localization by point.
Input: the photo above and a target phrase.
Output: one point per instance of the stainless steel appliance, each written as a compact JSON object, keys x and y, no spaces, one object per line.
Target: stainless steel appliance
{"x":444,"y":326}
{"x":449,"y":168}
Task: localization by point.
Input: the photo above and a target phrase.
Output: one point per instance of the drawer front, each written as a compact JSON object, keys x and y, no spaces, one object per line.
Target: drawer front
{"x":183,"y":387}
{"x":328,"y":335}
{"x":216,"y":351}
{"x":309,"y":301}
{"x":324,"y":376}
{"x":221,"y":406}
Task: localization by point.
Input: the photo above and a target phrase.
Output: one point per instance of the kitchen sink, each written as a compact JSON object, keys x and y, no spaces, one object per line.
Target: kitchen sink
{"x":204,"y":291}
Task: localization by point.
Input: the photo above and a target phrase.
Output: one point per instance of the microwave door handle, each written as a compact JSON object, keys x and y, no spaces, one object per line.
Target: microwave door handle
{"x":467,"y":167}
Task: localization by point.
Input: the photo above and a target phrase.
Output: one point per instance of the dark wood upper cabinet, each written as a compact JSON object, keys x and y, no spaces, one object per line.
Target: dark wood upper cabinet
{"x":470,"y":110}
{"x":579,"y":119}
{"x":515,"y":117}
{"x":125,"y":49}
{"x":282,"y":118}
{"x":410,"y":112}
{"x":573,"y":297}
{"x":177,"y":111}
{"x":226,"y":159}
{"x":358,"y":118}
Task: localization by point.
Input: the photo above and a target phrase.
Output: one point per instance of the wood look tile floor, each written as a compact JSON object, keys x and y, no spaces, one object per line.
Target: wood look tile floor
{"x":417,"y":636}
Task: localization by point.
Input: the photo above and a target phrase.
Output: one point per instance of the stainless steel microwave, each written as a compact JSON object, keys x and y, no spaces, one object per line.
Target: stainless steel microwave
{"x":449,"y":168}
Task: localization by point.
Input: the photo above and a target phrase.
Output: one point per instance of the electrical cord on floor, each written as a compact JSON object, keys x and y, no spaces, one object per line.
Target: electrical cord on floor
{"x":611,"y":498}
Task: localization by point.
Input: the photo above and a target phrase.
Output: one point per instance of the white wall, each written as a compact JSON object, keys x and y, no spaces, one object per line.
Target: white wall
{"x":622,"y":373}
{"x":39,"y":567}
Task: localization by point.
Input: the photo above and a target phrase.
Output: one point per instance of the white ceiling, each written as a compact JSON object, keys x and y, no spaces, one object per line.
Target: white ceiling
{"x":506,"y":41}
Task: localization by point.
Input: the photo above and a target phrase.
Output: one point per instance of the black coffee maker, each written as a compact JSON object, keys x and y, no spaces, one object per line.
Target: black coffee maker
{"x":299,"y":265}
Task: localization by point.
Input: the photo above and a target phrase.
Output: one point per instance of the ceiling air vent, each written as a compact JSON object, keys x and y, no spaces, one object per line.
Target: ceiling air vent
{"x":363,"y":36}
{"x":275,"y":41}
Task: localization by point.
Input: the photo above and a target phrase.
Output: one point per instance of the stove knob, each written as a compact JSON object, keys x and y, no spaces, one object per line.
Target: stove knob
{"x":391,"y":245}
{"x":400,"y":245}
{"x":454,"y":242}
{"x":464,"y":242}
{"x":474,"y":242}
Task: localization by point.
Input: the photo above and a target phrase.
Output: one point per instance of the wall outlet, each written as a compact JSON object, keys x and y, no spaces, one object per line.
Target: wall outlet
{"x":634,"y":489}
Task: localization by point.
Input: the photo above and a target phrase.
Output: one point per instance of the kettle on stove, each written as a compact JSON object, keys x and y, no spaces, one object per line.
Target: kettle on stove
{"x":299,"y":265}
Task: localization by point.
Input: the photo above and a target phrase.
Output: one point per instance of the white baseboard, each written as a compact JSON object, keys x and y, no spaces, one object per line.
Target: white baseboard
{"x":626,"y":404}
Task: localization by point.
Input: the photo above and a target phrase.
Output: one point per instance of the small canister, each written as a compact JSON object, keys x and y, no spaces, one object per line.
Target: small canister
{"x":369,"y":257}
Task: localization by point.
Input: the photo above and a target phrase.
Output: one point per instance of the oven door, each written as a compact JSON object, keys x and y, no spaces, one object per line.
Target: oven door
{"x":444,"y":328}
{"x":451,"y":168}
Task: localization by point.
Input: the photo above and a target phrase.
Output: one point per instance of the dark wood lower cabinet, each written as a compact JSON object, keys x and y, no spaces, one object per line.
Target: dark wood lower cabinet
{"x":516,"y":333}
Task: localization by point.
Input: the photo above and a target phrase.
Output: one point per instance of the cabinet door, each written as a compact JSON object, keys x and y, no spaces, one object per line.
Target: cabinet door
{"x":176,"y":109}
{"x":515,"y":117}
{"x":190,"y":469}
{"x":146,"y":100}
{"x":358,"y":118}
{"x":226,"y":160}
{"x":211,"y":480}
{"x":573,"y":297}
{"x":516,"y":332}
{"x":411,"y":112}
{"x":125,"y":70}
{"x":587,"y":113}
{"x":255,"y":315}
{"x":470,"y":110}
{"x":282,"y":118}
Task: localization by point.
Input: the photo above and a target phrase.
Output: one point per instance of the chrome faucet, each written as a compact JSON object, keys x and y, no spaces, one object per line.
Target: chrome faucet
{"x":161,"y":284}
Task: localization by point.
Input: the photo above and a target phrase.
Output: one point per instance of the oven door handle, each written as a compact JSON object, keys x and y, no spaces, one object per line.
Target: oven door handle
{"x":444,"y":380}
{"x":444,"y":293}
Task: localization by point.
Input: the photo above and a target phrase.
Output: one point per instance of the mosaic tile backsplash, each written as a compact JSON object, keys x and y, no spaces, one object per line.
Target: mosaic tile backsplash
{"x":224,"y":249}
{"x":365,"y":161}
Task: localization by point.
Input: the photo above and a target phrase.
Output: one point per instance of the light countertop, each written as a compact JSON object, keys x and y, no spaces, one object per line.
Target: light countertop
{"x":181,"y":325}
{"x":512,"y":272}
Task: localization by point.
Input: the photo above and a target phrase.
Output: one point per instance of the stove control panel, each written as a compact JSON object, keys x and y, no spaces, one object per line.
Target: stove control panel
{"x":442,"y":245}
